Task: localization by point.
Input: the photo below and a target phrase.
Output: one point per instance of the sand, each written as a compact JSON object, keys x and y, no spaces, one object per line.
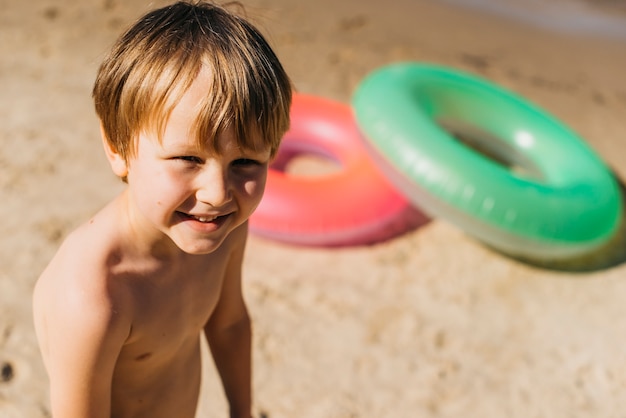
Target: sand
{"x":428,"y":324}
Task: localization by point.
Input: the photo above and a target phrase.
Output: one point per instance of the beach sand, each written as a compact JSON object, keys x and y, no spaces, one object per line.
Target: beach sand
{"x":429,"y":324}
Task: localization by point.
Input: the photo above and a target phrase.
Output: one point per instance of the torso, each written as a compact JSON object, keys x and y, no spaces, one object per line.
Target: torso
{"x":160,"y":362}
{"x":157,"y":373}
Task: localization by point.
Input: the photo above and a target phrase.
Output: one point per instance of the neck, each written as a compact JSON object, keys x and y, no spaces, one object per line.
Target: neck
{"x":142,"y":238}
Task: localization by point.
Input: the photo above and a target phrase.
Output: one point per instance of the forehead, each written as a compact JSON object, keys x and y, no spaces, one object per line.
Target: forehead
{"x":179,"y":138}
{"x":186,"y":111}
{"x":195,"y":111}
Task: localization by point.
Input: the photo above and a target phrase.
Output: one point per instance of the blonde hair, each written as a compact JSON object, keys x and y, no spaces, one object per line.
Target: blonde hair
{"x":154,"y":62}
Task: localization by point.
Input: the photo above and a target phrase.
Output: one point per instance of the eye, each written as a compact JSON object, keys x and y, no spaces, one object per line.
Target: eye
{"x":246,"y":162}
{"x":189,"y":159}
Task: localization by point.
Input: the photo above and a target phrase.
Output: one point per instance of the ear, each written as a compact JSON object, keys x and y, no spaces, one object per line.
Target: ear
{"x":118,"y":163}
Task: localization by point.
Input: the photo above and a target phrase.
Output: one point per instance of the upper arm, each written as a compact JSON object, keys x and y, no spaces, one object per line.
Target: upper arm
{"x":231,"y":308}
{"x":81,"y":328}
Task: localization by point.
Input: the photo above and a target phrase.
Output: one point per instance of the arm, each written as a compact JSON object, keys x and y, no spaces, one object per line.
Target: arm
{"x":81,"y":333}
{"x":229,"y":335}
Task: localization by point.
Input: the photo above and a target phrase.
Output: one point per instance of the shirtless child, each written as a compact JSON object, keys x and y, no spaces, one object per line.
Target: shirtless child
{"x":193,"y":104}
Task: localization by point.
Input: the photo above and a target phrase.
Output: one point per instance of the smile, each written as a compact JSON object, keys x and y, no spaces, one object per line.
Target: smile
{"x":204,"y":223}
{"x":204,"y":219}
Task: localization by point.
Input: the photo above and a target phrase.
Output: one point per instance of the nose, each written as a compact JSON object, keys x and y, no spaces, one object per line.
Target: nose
{"x":213,"y":186}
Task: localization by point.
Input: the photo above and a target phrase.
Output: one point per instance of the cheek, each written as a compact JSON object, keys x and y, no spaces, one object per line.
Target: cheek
{"x":158,"y":188}
{"x":255,"y":187}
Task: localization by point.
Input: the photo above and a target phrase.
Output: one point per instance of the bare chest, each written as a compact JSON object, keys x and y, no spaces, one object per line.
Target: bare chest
{"x":172,"y":308}
{"x":160,"y":362}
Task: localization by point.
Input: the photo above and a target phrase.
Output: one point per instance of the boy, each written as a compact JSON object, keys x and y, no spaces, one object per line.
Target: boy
{"x":193,"y":103}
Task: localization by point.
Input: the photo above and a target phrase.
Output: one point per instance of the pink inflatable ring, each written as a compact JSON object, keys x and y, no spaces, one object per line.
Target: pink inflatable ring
{"x":355,"y":205}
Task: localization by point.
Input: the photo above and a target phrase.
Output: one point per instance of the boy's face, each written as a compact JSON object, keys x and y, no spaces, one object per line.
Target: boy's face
{"x":193,"y":195}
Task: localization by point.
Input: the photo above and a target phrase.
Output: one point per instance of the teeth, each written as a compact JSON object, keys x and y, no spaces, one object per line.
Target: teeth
{"x":205,"y":218}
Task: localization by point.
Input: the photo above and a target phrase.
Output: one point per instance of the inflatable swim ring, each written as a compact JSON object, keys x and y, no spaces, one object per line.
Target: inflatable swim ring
{"x":353,"y":205}
{"x":564,"y":204}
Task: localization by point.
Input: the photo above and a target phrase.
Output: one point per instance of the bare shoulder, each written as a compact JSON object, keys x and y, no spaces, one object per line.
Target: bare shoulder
{"x":83,"y":260}
{"x":82,"y":319}
{"x":77,"y":288}
{"x":78,"y":269}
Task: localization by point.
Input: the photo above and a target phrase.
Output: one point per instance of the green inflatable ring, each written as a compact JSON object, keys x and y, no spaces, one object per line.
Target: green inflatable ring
{"x":565,"y":202}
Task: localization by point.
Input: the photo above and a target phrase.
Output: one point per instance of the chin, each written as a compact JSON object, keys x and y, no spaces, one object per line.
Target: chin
{"x":201,"y":249}
{"x":201,"y":244}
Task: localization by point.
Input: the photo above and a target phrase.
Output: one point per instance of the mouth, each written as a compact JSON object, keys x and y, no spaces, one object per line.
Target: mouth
{"x":214,"y":220}
{"x":203,"y":219}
